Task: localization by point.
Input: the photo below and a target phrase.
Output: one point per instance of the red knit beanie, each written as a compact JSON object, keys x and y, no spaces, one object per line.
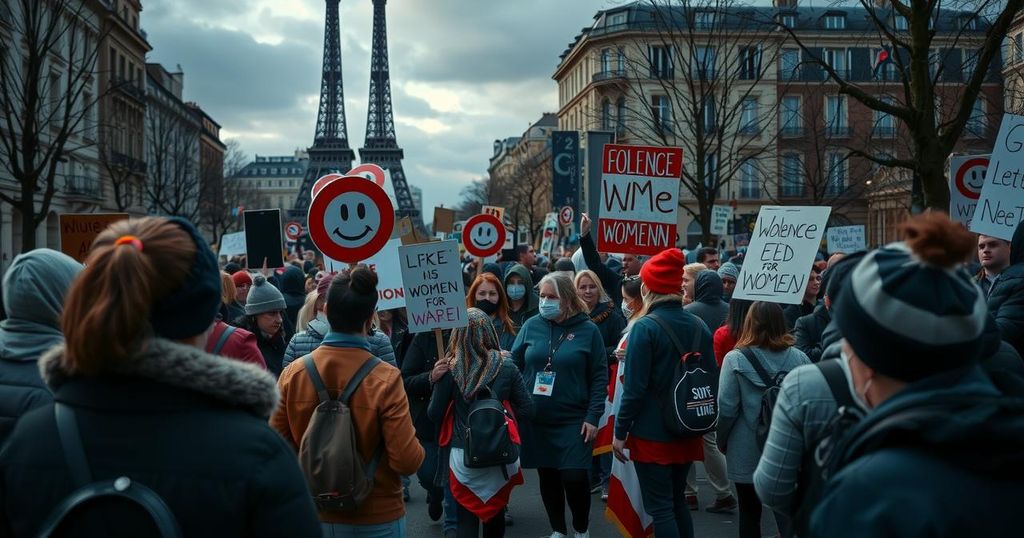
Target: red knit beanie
{"x":324,"y":284}
{"x":663,"y":274}
{"x":241,"y":277}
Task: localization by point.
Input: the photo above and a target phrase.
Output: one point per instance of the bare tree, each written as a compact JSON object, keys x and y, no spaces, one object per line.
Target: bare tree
{"x":47,"y":71}
{"x":126,"y":174}
{"x":480,"y":192}
{"x":222,"y":191}
{"x":924,"y":37}
{"x":528,"y":190}
{"x":173,"y":185}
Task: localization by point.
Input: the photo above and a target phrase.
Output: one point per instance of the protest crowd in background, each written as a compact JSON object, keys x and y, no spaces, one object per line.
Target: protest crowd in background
{"x":228,"y":399}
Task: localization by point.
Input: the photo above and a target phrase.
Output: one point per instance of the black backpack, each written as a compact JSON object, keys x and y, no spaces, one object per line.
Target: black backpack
{"x":689,"y":405}
{"x":768,"y":397}
{"x":488,"y":438}
{"x":89,"y":491}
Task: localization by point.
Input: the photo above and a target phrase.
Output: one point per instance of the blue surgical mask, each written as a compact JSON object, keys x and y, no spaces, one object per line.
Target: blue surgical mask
{"x":550,"y":308}
{"x":516,"y":291}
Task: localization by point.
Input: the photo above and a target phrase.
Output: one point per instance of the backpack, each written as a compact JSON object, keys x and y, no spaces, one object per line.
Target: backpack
{"x":488,"y":440}
{"x":329,"y":452}
{"x":689,"y":405}
{"x":89,"y":491}
{"x":768,"y":397}
{"x":228,"y":331}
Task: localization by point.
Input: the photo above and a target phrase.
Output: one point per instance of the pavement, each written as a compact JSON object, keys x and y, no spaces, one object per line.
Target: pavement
{"x":531,"y":521}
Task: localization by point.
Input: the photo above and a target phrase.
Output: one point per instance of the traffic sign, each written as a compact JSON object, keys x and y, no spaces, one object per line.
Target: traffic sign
{"x":351,"y":219}
{"x":323,"y":181}
{"x":565,"y":215}
{"x":484,"y":235}
{"x":292,"y":231}
{"x":369,"y":171}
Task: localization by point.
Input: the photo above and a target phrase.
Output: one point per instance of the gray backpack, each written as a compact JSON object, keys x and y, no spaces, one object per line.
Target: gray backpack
{"x":329,"y":451}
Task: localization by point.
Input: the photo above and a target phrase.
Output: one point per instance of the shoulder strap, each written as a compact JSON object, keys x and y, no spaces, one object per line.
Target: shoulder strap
{"x":314,"y":376}
{"x":672,"y":334}
{"x":228,"y":331}
{"x":71,"y":442}
{"x":758,"y":367}
{"x":360,"y":374}
{"x":123,"y":487}
{"x":836,"y":380}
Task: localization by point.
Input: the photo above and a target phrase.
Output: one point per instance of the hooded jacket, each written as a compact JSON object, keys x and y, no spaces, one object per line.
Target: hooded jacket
{"x":707,"y":303}
{"x":34,"y":288}
{"x":303,"y":343}
{"x":912,"y":477}
{"x":1006,"y":297}
{"x":293,"y":287}
{"x":531,"y":300}
{"x":189,"y":425}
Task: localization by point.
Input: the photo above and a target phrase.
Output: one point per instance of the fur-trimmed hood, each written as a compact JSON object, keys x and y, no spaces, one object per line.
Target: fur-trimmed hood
{"x":188,"y":368}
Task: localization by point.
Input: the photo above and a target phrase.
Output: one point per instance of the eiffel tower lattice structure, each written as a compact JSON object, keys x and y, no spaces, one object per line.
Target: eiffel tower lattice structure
{"x":330,"y":151}
{"x":381,"y":145}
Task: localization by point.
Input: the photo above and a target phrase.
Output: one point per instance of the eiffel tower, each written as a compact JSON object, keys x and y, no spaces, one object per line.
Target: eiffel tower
{"x":381,"y":145}
{"x":330,"y":151}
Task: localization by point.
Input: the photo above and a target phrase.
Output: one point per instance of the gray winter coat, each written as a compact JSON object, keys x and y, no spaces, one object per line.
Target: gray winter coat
{"x":303,"y":343}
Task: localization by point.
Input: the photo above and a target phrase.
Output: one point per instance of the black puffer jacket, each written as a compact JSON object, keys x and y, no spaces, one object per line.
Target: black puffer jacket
{"x":809,"y":332}
{"x":416,"y":367}
{"x":293,"y":288}
{"x":1006,"y":298}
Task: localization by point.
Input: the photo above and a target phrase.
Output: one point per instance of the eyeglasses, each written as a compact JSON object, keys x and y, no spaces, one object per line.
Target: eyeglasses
{"x":633,"y":278}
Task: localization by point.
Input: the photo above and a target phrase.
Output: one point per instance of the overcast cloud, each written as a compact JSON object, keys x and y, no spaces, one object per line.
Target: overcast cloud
{"x":463,"y":72}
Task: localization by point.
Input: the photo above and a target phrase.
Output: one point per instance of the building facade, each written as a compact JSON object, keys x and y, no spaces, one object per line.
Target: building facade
{"x":520,"y":175}
{"x":172,"y":146}
{"x":277,"y":179}
{"x":760,"y":121}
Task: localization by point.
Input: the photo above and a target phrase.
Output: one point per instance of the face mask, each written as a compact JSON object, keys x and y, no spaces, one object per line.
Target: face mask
{"x":516,"y":291}
{"x":627,"y":311}
{"x":549,"y":308}
{"x":859,"y":397}
{"x":488,"y":307}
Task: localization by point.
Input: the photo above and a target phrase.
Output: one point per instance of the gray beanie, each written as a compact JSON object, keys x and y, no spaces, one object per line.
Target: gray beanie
{"x":263,"y":297}
{"x":729,"y":270}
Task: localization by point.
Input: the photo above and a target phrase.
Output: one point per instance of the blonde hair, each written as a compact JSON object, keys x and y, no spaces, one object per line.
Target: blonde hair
{"x":571,"y":304}
{"x":587,"y":273}
{"x":694,"y":269}
{"x":227,"y":288}
{"x":307,"y":312}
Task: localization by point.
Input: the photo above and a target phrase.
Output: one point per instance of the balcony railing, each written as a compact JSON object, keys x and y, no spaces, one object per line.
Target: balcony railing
{"x":791,"y":132}
{"x":83,"y":187}
{"x":615,"y":74}
{"x":884,"y":132}
{"x":750,"y":130}
{"x":128,"y":88}
{"x":838,"y":131}
{"x":132,"y":164}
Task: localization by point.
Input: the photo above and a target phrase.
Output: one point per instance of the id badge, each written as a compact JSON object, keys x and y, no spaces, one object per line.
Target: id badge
{"x":544,"y":384}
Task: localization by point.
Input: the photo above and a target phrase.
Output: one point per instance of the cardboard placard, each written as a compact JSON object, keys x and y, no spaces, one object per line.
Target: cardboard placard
{"x":494,"y":210}
{"x":232,"y":244}
{"x":549,"y":235}
{"x":444,"y":219}
{"x":79,"y":230}
{"x":434,"y":294}
{"x":263,"y":238}
{"x":1001,"y":205}
{"x":781,"y":251}
{"x":966,"y":178}
{"x":390,"y":292}
{"x":639,"y":192}
{"x":846,"y":239}
{"x":721,"y":215}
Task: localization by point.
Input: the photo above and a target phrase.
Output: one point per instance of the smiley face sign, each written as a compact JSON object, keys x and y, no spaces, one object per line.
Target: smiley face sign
{"x":350,"y":220}
{"x":970,"y":177}
{"x":483,"y":235}
{"x":323,"y":182}
{"x":369,"y":171}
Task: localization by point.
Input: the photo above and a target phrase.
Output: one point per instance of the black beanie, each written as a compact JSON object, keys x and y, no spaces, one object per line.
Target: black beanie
{"x":192,"y":308}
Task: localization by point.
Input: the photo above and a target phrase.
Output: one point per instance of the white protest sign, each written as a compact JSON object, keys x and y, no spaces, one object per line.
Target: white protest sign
{"x":390,"y":292}
{"x":846,"y":239}
{"x":639,"y":189}
{"x":547,"y":242}
{"x":781,"y":252}
{"x":966,"y":178}
{"x":1001,"y":206}
{"x":434,"y":294}
{"x":720,"y":217}
{"x":232,"y":244}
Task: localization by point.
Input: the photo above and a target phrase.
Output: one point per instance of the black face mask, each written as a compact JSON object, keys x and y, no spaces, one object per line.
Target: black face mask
{"x":488,"y":307}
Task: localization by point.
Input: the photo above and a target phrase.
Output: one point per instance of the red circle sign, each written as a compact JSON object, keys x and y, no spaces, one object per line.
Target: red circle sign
{"x":323,"y":181}
{"x":970,"y":185}
{"x":483,"y":235}
{"x":351,"y":219}
{"x":292,"y":231}
{"x":566,"y":215}
{"x":368,"y":171}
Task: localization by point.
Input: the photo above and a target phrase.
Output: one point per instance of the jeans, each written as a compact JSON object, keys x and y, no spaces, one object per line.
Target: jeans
{"x":601,"y":469}
{"x":395,"y":528}
{"x":714,"y":464}
{"x":662,"y":490}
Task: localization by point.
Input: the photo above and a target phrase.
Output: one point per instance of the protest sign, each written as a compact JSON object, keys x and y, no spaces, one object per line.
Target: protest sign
{"x":639,"y":188}
{"x":966,"y":178}
{"x":846,"y":239}
{"x":1001,"y":206}
{"x":444,"y":219}
{"x":565,"y":169}
{"x":498,"y":212}
{"x":549,"y":235}
{"x":434,"y":294}
{"x":79,"y":230}
{"x":781,"y":251}
{"x":232,"y":244}
{"x":351,"y":219}
{"x":263,"y":240}
{"x":720,"y":217}
{"x":391,"y":293}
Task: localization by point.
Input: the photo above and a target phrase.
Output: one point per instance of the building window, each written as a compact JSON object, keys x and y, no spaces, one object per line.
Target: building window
{"x":661,"y":112}
{"x":788,"y":20}
{"x":970,"y":63}
{"x":750,"y":63}
{"x":884,"y":70}
{"x":835,"y":22}
{"x":704,"y":20}
{"x":617,"y":19}
{"x":835,"y":115}
{"x":835,"y":174}
{"x":621,"y":60}
{"x":885,"y":124}
{"x":606,"y":115}
{"x":606,"y":60}
{"x":789,"y":64}
{"x":970,"y":22}
{"x":900,"y":22}
{"x":836,"y":59}
{"x":750,"y":186}
{"x":704,"y":62}
{"x":1018,"y":47}
{"x":620,"y":115}
{"x":792,"y":175}
{"x":976,"y":122}
{"x":711,"y":172}
{"x":263,"y":171}
{"x":710,"y":115}
{"x":791,"y":120}
{"x":749,"y":116}
{"x":661,"y":62}
{"x":54,"y":94}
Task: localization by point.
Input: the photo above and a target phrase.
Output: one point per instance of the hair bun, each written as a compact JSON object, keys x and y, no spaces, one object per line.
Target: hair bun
{"x":259,"y":280}
{"x":937,"y":240}
{"x":363,"y":280}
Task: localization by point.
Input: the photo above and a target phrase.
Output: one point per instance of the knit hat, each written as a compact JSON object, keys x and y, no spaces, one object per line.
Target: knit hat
{"x":191,"y":309}
{"x":324,"y":284}
{"x":242,"y":278}
{"x":908,"y":318}
{"x":729,"y":270}
{"x":663,"y":274}
{"x":232,"y":268}
{"x":263,"y":297}
{"x":565,"y":264}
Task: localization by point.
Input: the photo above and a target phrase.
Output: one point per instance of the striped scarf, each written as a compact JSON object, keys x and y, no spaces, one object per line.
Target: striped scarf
{"x":476,"y":354}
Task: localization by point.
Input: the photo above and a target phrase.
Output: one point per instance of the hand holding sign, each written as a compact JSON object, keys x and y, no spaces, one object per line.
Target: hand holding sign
{"x":584,"y":224}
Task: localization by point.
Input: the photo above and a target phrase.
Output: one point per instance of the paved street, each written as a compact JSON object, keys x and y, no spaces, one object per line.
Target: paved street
{"x":531,"y":521}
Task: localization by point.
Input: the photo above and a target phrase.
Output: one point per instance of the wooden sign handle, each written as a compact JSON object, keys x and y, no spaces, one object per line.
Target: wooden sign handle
{"x":440,"y":344}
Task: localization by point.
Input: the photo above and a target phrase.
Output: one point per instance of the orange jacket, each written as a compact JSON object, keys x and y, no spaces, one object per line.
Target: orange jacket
{"x":380,"y":410}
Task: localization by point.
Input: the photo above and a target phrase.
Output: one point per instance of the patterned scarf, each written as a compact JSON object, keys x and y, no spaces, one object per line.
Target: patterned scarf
{"x":476,"y":354}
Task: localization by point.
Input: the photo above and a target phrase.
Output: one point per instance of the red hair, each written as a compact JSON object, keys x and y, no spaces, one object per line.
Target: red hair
{"x":502,"y":313}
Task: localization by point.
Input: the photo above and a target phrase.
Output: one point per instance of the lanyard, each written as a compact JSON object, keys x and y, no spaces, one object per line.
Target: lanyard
{"x":552,"y":349}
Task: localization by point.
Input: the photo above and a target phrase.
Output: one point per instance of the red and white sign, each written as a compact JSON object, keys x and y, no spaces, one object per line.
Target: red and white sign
{"x":483,"y":235}
{"x":639,"y":198}
{"x":967,"y":176}
{"x":323,"y":181}
{"x":565,"y":215}
{"x":369,"y":171}
{"x":350,"y":220}
{"x":292,"y":231}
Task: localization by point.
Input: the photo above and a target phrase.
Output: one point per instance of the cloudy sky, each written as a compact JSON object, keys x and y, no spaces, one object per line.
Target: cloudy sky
{"x":463,"y":72}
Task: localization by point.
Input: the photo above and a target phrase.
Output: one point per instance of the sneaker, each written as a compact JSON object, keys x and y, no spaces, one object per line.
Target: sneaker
{"x":434,"y":508}
{"x":594,"y":488}
{"x":724,"y":505}
{"x":508,"y":517}
{"x":604,"y":493}
{"x":692,"y":501}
